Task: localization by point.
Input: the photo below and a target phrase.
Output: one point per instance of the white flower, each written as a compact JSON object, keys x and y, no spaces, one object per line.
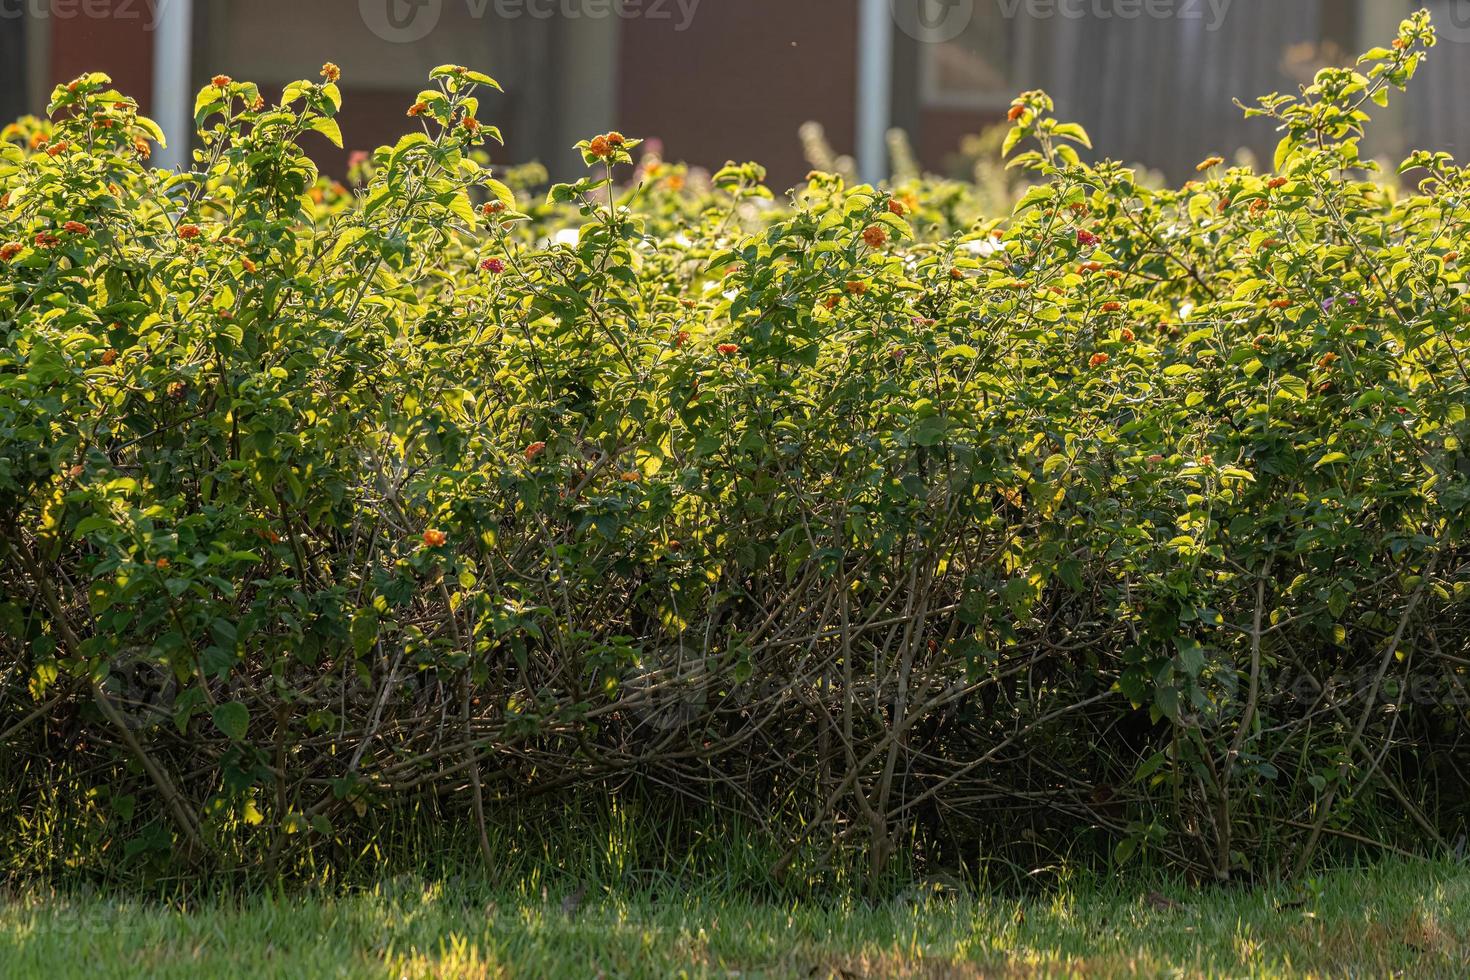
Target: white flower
{"x":984,"y":246}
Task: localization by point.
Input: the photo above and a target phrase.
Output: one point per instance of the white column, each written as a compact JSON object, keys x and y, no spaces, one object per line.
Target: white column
{"x":875,"y":88}
{"x":586,"y":102}
{"x":1378,"y":25}
{"x":173,"y":42}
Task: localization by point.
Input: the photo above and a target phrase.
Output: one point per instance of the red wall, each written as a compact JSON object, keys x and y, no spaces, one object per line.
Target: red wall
{"x":739,"y":82}
{"x":736,"y":85}
{"x":118,"y":43}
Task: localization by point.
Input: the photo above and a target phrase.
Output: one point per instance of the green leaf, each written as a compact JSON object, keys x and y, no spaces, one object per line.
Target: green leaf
{"x":1013,"y":139}
{"x":154,"y":131}
{"x":364,"y":631}
{"x":462,"y":207}
{"x":209,"y":100}
{"x":501,"y":193}
{"x":1292,"y":387}
{"x":328,"y":128}
{"x":1073,"y":132}
{"x":232,"y":718}
{"x":480,"y":78}
{"x":1036,"y":196}
{"x":1284,"y":151}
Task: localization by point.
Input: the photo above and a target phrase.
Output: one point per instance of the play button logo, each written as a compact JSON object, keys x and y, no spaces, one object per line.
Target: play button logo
{"x":401,"y":21}
{"x":933,"y":21}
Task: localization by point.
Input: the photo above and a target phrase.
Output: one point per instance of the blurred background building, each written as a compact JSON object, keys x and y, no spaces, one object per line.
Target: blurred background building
{"x":716,"y":80}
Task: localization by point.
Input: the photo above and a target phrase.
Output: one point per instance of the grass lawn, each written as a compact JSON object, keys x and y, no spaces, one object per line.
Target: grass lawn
{"x":1405,"y":919}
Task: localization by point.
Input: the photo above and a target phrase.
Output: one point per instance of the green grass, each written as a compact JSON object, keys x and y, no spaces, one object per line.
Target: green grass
{"x":1404,"y":918}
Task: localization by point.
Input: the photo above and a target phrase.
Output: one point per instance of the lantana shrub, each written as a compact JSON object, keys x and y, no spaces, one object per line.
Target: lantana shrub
{"x":1127,"y":526}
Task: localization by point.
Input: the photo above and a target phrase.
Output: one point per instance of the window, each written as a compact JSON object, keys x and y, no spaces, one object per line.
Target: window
{"x":982,"y":66}
{"x":13,"y":69}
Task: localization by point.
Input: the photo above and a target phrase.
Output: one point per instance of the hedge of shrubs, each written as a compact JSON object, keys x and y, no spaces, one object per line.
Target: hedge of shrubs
{"x":1131,"y":524}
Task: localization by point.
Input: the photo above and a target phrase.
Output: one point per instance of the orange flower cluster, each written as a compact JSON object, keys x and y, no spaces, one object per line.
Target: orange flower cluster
{"x":875,"y":236}
{"x":604,"y":146}
{"x":331,"y":72}
{"x":435,"y":539}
